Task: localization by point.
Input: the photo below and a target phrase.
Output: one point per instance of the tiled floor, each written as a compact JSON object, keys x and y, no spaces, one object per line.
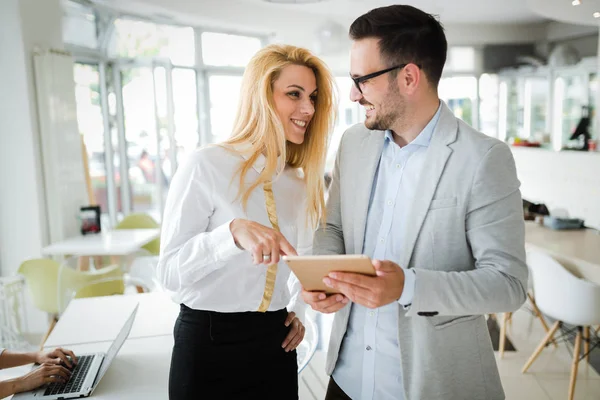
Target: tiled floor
{"x":547,"y":379}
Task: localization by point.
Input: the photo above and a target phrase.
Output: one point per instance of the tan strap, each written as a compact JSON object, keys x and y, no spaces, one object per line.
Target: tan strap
{"x":272,"y":269}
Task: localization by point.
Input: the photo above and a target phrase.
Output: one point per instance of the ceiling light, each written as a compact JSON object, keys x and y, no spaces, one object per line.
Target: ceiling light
{"x":576,"y":2}
{"x":597,"y":14}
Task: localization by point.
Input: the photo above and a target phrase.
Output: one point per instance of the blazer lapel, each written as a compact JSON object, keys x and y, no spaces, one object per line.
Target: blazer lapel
{"x":438,"y":153}
{"x":370,"y":153}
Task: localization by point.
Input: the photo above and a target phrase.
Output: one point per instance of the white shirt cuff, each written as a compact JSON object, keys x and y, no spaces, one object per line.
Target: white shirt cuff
{"x":225,"y":246}
{"x":408,"y":293}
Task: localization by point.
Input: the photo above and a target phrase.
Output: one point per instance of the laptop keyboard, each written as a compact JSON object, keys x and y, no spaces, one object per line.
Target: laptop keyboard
{"x":74,"y":384}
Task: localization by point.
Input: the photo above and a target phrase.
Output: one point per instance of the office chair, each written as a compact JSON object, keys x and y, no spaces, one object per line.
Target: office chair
{"x":568,"y":300}
{"x":48,"y":282}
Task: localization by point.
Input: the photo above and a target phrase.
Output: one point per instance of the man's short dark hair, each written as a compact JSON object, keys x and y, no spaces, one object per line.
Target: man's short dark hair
{"x":406,"y":35}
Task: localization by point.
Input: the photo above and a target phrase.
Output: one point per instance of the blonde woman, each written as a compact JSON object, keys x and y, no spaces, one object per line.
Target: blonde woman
{"x":233,"y":209}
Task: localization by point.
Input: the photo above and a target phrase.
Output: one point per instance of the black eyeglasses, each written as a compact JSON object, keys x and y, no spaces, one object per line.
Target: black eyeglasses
{"x":361,"y":79}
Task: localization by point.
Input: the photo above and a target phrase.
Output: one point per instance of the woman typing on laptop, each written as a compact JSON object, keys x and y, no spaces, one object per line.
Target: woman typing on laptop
{"x":232,"y":210}
{"x":55,"y":367}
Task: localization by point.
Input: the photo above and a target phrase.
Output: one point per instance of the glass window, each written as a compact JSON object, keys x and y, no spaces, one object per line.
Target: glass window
{"x":460,"y":59}
{"x":224,"y":97}
{"x":142,"y":112}
{"x":79,"y":25}
{"x":460,"y":94}
{"x":91,"y":127}
{"x":349,"y":113}
{"x":536,"y":108}
{"x":572,"y":103}
{"x":185,"y":112}
{"x":593,"y":96}
{"x":134,"y":38}
{"x":239,"y":49}
{"x":488,"y":104}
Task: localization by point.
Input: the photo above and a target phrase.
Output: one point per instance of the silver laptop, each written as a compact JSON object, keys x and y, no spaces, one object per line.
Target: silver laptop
{"x":89,"y":370}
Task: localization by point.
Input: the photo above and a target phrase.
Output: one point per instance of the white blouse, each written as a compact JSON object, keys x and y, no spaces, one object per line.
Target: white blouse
{"x":199,"y":261}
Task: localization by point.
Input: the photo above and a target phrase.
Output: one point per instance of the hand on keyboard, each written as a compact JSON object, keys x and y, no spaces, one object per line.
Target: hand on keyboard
{"x":57,"y":356}
{"x":45,"y":373}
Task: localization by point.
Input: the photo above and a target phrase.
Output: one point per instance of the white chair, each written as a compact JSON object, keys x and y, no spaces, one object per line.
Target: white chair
{"x":507,"y":317}
{"x":567,"y":299}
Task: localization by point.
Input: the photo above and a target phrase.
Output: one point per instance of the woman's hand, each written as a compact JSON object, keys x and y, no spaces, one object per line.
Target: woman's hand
{"x":296,"y":333}
{"x":57,"y":357}
{"x":265,"y":244}
{"x":45,"y":373}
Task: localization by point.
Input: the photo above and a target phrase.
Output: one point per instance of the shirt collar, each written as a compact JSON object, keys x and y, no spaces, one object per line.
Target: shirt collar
{"x":424,"y":138}
{"x":245,"y":150}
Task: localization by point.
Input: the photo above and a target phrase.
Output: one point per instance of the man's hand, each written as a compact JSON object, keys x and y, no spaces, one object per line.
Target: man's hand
{"x":324,"y":303}
{"x":296,"y":333}
{"x":370,"y":291}
{"x":45,"y":373}
{"x":57,"y":357}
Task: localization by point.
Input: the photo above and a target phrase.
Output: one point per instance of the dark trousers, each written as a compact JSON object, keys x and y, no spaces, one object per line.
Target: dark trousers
{"x":334,"y":392}
{"x":232,"y":356}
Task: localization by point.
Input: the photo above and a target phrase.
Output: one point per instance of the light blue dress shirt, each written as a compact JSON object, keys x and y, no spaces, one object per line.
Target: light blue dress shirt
{"x":368,"y":365}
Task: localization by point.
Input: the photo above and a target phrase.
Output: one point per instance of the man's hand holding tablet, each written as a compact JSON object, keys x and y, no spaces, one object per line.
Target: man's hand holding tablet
{"x":330,"y":281}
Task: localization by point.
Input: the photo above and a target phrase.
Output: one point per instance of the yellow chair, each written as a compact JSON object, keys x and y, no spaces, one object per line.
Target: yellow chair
{"x":51,"y":294}
{"x":142,"y":221}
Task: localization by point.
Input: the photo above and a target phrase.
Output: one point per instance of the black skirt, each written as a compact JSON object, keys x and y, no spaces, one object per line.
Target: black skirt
{"x":232,"y":356}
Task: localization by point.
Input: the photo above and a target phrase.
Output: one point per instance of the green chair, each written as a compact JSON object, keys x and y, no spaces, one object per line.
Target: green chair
{"x":52,"y":285}
{"x":142,"y":221}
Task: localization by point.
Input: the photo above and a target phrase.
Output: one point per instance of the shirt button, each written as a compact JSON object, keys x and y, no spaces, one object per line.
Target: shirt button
{"x":371,"y":313}
{"x":382,"y":240}
{"x":368,"y":348}
{"x":398,"y":165}
{"x":390,"y":202}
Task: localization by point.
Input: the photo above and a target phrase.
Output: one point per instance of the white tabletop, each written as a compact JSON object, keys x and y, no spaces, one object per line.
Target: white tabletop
{"x":578,"y":250}
{"x":141,"y":368}
{"x":119,"y":242}
{"x":99,"y":319}
{"x":139,"y":371}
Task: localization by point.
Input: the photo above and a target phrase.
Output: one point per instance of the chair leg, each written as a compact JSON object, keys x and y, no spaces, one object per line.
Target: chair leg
{"x":586,"y":343}
{"x":539,"y":315}
{"x":541,"y":346}
{"x":50,"y":329}
{"x":502,"y":339}
{"x":575,"y":364}
{"x":83,"y":263}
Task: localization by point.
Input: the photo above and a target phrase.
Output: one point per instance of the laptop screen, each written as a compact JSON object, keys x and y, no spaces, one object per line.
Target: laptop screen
{"x":116,"y":346}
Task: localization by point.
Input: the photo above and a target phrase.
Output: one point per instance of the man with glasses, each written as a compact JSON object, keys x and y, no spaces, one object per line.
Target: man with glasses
{"x":437,"y":206}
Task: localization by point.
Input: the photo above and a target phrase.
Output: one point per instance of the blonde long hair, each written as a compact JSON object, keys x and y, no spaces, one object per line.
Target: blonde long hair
{"x":258,"y":125}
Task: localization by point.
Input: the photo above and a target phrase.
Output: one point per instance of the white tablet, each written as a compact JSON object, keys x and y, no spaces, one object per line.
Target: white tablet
{"x":311,"y":270}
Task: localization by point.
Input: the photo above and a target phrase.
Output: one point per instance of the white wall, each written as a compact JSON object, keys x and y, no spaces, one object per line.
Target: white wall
{"x":568,"y":179}
{"x":20,"y":216}
{"x":23,"y":25}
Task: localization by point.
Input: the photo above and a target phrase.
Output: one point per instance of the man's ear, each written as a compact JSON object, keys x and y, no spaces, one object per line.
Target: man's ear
{"x":410,"y":78}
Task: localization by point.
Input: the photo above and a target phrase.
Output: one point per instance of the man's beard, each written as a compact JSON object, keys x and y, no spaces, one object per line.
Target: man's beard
{"x":387,"y":116}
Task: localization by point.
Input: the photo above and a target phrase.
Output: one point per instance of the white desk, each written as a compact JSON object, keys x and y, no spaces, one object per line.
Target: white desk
{"x":141,"y":368}
{"x":120,"y":242}
{"x":139,"y":371}
{"x":99,"y":319}
{"x":577,"y":250}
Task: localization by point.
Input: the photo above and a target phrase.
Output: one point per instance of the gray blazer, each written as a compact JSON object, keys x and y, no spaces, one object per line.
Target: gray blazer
{"x":465,"y":241}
